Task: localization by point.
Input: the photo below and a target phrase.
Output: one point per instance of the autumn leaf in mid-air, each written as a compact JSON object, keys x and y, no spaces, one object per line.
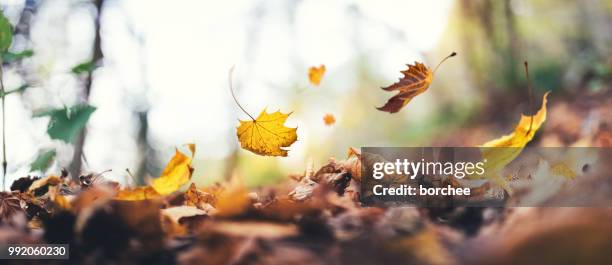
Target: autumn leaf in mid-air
{"x":501,"y":151}
{"x":329,"y":119}
{"x":524,"y":130}
{"x":315,"y":74}
{"x":267,"y":135}
{"x":416,"y":80}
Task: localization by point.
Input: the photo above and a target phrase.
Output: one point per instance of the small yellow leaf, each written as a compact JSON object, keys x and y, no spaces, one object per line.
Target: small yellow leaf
{"x":315,"y":74}
{"x":267,"y":134}
{"x":329,"y":119}
{"x":177,"y":172}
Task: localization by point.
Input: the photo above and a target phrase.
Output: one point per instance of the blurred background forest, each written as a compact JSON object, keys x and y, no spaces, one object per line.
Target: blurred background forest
{"x":157,"y":73}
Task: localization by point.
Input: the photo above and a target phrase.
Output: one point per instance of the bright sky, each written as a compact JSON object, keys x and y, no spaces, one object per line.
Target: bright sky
{"x":179,"y":60}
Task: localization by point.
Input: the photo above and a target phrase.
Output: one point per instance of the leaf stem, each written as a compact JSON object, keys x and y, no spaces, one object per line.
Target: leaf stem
{"x":530,"y":97}
{"x":445,"y":58}
{"x":231,"y":87}
{"x":4,"y":163}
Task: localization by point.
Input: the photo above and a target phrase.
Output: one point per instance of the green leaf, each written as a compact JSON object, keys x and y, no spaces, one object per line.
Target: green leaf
{"x":16,"y":90}
{"x":9,"y":57}
{"x":6,"y":33}
{"x":43,"y":161}
{"x":86,"y":67}
{"x":66,"y":123}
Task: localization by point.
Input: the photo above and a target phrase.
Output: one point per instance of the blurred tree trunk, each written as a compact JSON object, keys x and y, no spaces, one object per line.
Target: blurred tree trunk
{"x":143,"y":148}
{"x":512,"y":46}
{"x":76,"y":165}
{"x":494,"y":24}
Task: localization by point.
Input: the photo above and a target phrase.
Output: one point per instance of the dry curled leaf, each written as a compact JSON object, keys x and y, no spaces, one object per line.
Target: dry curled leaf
{"x":267,"y":135}
{"x":201,"y":200}
{"x":9,"y":205}
{"x":416,"y":80}
{"x":329,"y":119}
{"x":315,"y":74}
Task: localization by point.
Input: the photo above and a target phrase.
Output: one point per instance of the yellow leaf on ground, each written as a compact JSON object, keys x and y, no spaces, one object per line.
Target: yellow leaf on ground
{"x":267,"y":134}
{"x":200,"y":199}
{"x":137,"y":194}
{"x":315,"y":74}
{"x":176,"y":174}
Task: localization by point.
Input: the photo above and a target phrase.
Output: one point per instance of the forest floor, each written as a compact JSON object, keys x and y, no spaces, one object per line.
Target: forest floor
{"x":316,"y":217}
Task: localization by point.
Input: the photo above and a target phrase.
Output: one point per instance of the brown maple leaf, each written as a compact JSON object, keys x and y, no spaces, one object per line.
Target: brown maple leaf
{"x":416,"y":80}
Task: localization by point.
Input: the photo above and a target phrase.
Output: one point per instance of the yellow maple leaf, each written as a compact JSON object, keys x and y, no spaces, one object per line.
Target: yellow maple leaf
{"x":315,"y":74}
{"x":176,"y":174}
{"x":267,"y":135}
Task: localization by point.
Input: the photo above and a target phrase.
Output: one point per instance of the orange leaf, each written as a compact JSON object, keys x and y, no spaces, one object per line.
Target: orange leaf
{"x":329,"y":119}
{"x":315,"y":74}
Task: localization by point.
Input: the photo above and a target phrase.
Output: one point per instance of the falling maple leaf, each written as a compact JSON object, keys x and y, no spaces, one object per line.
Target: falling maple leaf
{"x":315,"y":74}
{"x":416,"y":80}
{"x":329,"y":119}
{"x":267,"y":135}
